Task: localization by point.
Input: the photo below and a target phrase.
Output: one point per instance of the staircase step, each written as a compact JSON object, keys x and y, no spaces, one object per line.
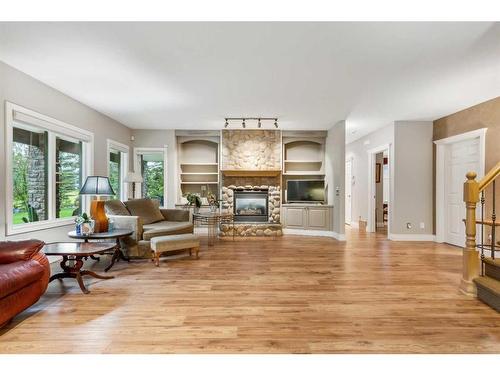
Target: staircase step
{"x":492,"y":268}
{"x":488,"y":291}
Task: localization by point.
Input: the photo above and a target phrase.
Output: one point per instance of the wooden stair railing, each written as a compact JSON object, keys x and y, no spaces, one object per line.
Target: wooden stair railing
{"x":474,"y":193}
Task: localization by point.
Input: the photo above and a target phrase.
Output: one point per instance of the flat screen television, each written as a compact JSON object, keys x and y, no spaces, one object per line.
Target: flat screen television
{"x":305,"y":191}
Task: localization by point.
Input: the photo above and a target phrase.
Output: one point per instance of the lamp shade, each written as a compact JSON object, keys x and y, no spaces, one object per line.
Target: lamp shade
{"x":97,"y":185}
{"x":133,"y":177}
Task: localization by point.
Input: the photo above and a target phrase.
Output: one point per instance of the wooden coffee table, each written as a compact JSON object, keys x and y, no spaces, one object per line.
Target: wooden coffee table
{"x":76,"y":252}
{"x":111,"y":235}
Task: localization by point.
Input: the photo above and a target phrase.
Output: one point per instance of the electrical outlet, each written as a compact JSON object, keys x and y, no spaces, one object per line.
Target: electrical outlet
{"x":422,"y":225}
{"x":408,"y":225}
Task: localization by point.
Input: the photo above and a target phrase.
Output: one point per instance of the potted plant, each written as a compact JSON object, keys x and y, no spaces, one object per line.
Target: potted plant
{"x":212,"y":201}
{"x":84,"y":224}
{"x":194,"y":200}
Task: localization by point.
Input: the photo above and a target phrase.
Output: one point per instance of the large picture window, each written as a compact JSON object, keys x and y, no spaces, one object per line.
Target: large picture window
{"x":151,"y":165}
{"x":115,"y":175}
{"x":68,"y":177}
{"x":118,"y":168}
{"x":29,"y":175}
{"x":47,"y":160}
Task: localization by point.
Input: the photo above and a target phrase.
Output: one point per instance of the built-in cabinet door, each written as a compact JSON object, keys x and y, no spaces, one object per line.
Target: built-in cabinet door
{"x":295,"y":217}
{"x":317,"y":218}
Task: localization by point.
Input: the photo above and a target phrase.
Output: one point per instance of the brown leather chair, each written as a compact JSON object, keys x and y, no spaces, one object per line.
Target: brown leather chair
{"x":24,"y":276}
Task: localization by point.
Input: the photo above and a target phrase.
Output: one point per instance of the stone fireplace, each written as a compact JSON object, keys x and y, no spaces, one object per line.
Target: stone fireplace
{"x":250,"y":205}
{"x":251,"y":185}
{"x":249,"y":219}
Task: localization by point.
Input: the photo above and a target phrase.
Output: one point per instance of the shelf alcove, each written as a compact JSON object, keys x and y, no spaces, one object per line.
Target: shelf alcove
{"x":198,"y":159}
{"x":303,"y":157}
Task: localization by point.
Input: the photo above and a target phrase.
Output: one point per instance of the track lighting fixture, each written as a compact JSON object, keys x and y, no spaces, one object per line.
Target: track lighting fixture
{"x":245,"y":119}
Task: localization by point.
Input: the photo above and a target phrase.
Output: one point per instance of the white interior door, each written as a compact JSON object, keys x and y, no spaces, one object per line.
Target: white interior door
{"x":348,"y":191}
{"x":461,"y":157}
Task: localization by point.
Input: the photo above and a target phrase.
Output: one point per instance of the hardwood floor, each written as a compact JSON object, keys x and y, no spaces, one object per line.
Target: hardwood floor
{"x":290,"y":295}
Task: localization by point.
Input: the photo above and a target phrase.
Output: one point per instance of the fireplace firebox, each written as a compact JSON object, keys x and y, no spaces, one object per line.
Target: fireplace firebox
{"x":251,"y":206}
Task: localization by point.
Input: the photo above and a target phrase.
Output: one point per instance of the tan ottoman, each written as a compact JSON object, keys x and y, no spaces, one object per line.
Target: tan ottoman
{"x":163,"y":244}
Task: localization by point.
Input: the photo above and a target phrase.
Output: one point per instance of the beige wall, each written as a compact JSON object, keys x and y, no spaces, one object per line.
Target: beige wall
{"x":410,"y":162}
{"x":21,"y":89}
{"x":484,"y":115}
{"x":413,"y":201}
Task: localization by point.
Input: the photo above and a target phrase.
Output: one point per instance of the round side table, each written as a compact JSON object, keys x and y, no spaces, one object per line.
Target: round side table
{"x":114,"y":234}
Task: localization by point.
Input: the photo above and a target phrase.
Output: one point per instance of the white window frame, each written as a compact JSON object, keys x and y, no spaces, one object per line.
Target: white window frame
{"x":124,"y":157}
{"x":145,"y":150}
{"x":16,"y":115}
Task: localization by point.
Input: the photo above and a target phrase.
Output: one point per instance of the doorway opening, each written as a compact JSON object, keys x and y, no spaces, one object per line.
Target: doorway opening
{"x":379,"y":190}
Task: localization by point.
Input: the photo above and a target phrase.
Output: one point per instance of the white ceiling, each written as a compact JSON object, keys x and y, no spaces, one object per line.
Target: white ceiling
{"x":310,"y":75}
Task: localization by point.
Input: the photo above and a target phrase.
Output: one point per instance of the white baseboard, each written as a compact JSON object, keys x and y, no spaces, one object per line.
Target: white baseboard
{"x":318,"y":233}
{"x":338,"y":236}
{"x":411,"y":237}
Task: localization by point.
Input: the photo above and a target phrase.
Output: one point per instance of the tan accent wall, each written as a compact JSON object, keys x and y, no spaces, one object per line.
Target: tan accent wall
{"x":484,"y":115}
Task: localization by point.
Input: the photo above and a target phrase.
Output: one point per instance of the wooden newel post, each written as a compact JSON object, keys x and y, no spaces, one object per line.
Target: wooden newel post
{"x":470,"y":266}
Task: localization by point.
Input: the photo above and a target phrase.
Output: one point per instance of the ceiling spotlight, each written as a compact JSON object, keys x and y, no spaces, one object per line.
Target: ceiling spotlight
{"x":226,"y":124}
{"x":276,"y":123}
{"x":259,"y":124}
{"x":243,"y":124}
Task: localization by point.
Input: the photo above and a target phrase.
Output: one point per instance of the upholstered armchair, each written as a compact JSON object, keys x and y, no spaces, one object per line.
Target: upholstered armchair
{"x":24,"y":276}
{"x":147,"y":220}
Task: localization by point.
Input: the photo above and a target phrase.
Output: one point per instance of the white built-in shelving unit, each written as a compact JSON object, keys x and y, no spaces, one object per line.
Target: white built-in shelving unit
{"x":198,"y":163}
{"x":303,"y":156}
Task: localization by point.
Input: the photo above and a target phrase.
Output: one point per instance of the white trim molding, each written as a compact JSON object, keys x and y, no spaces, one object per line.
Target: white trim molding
{"x":16,"y":114}
{"x":411,"y":237}
{"x":316,"y":233}
{"x":440,"y":172}
{"x":354,"y":224}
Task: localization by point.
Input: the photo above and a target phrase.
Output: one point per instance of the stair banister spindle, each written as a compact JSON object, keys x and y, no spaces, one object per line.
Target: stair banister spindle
{"x":470,"y":253}
{"x":482,"y":232}
{"x":493,"y":227}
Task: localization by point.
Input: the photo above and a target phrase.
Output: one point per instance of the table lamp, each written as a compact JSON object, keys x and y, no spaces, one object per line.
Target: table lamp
{"x":133,"y":178}
{"x":97,"y":185}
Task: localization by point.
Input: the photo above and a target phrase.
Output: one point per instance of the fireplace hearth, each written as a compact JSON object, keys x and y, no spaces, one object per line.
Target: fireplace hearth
{"x":251,"y":206}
